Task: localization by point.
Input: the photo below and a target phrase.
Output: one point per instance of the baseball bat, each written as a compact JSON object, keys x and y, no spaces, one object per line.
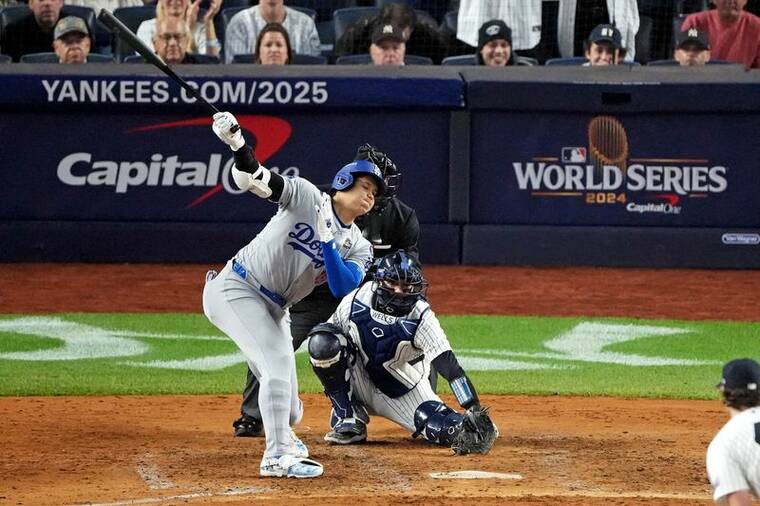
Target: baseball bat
{"x":120,"y":30}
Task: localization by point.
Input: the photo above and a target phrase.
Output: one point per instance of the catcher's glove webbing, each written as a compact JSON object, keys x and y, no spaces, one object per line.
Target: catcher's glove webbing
{"x":478,"y":432}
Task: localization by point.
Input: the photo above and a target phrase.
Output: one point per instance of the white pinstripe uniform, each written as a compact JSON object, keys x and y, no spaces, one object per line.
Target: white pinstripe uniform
{"x":733,"y":457}
{"x":624,"y":14}
{"x":522,"y":16}
{"x":250,"y":297}
{"x":402,"y":366}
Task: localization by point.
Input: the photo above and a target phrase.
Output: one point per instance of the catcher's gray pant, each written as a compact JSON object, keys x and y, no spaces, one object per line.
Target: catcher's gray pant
{"x":301,"y":323}
{"x":401,"y":409}
{"x":261,"y":329}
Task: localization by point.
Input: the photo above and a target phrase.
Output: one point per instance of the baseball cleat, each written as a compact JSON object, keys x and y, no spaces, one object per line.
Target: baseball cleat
{"x":290,"y":466}
{"x":248,"y":426}
{"x":301,"y":450}
{"x":347,"y":431}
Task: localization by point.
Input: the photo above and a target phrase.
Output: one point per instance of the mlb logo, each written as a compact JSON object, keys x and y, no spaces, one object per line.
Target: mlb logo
{"x":573,"y":155}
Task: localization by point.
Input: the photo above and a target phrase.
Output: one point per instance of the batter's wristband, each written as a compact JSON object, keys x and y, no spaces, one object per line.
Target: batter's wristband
{"x":244,"y":159}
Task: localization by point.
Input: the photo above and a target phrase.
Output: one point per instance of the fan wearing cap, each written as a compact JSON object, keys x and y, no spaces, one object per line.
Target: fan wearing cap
{"x":495,"y":44}
{"x":71,"y":40}
{"x":733,"y":457}
{"x":388,"y":45}
{"x":692,"y":48}
{"x":604,"y":46}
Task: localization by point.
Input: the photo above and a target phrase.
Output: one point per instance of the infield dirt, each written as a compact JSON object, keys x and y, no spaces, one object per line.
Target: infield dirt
{"x":180,"y":450}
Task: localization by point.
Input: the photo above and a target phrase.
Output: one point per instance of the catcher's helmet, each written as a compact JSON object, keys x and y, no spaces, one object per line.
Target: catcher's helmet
{"x":399,"y":284}
{"x":345,"y":177}
{"x":391,"y":174}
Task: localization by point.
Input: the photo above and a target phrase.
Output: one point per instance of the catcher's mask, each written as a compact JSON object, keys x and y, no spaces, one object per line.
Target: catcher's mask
{"x":398,"y":285}
{"x":391,"y":174}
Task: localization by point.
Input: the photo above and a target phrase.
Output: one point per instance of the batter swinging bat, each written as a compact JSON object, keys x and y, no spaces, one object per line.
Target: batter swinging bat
{"x":120,"y":30}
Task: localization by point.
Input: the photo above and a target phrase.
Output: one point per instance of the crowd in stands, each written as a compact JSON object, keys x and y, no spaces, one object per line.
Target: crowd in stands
{"x":466,"y":32}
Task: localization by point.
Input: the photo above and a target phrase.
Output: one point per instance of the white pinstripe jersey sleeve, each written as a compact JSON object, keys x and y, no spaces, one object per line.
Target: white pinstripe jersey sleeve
{"x":430,"y":337}
{"x":733,"y":457}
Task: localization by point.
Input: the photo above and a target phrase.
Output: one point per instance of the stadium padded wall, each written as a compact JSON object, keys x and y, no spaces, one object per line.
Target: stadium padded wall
{"x":626,"y":166}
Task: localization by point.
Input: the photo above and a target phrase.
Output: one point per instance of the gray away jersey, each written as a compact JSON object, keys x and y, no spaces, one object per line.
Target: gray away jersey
{"x":286,"y":256}
{"x":391,"y":347}
{"x":733,"y":457}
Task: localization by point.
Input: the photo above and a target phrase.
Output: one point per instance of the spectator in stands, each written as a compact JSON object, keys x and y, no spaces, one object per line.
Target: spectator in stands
{"x":577,"y":16}
{"x":204,"y":39}
{"x":32,"y":33}
{"x":692,"y":48}
{"x":172,"y":41}
{"x":734,"y":34}
{"x":273,"y":45}
{"x":6,"y":3}
{"x":495,"y":44}
{"x":71,"y":40}
{"x":524,"y":16}
{"x":245,"y":26}
{"x":421,"y":34}
{"x":604,"y":46}
{"x":388,"y":45}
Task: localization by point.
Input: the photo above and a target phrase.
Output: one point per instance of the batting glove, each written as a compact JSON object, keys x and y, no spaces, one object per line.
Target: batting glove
{"x":222,"y":127}
{"x":325,"y":219}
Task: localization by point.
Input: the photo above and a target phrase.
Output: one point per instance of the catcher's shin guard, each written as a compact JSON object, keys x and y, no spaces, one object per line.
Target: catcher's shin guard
{"x":437,"y":423}
{"x":329,"y":359}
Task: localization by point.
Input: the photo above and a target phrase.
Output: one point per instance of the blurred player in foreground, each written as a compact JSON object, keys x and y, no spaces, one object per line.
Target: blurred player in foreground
{"x":374,"y":354}
{"x":733,"y":457}
{"x":311,"y":238}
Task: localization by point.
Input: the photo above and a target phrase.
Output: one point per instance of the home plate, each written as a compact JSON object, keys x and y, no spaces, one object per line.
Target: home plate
{"x":475,"y":475}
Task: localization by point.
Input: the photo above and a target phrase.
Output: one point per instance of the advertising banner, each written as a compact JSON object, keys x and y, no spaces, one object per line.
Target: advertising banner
{"x":116,"y":167}
{"x":642,"y":170}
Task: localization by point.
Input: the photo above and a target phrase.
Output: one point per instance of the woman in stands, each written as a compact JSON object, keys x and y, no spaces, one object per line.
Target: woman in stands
{"x":204,"y":39}
{"x":273,"y":45}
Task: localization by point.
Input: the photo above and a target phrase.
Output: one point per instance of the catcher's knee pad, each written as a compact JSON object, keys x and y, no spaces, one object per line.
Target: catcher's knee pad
{"x":437,"y":422}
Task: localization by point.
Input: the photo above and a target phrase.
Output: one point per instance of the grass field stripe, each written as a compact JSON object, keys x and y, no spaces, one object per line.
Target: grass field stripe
{"x":213,"y":363}
{"x":158,"y":500}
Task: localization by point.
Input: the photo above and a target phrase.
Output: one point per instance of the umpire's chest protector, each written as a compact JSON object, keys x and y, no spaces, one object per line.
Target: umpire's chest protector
{"x":390,"y":357}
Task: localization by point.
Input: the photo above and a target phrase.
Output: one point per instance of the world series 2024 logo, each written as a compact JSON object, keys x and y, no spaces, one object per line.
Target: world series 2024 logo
{"x":604,"y":173}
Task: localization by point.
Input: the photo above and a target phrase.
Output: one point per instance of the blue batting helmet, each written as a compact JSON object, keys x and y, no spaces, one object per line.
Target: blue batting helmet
{"x":344,"y":178}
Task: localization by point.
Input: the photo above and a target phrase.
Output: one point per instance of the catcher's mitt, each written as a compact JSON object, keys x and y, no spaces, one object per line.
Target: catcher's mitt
{"x":478,"y":432}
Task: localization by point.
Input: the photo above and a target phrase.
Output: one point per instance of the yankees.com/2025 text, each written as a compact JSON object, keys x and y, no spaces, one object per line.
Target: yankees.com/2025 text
{"x":148,"y":91}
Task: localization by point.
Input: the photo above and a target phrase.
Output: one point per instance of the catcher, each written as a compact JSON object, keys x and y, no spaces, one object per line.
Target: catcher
{"x":374,"y":354}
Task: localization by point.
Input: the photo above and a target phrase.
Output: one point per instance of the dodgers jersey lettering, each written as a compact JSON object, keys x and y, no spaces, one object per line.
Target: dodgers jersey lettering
{"x":733,"y":457}
{"x":392,"y":348}
{"x":286,"y":257}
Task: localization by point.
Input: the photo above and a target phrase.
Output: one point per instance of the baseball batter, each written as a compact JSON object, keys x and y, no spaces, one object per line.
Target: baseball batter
{"x":733,"y":457}
{"x":373,"y":356}
{"x":311,"y":238}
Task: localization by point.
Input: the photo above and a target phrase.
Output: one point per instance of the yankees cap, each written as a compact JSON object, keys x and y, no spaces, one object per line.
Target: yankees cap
{"x":693,"y":35}
{"x":387,"y":31}
{"x":70,"y":24}
{"x":606,"y":33}
{"x":741,"y":373}
{"x":494,"y":29}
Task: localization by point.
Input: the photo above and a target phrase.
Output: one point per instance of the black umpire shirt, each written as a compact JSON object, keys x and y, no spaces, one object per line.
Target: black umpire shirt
{"x":393,"y":228}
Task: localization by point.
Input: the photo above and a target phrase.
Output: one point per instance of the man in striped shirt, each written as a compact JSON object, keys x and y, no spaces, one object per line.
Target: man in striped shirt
{"x":373,"y":356}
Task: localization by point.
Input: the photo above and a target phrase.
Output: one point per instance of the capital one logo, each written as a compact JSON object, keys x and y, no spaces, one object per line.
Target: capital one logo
{"x":79,"y":169}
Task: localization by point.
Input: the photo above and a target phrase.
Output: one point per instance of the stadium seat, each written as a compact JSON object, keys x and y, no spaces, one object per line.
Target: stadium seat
{"x":53,"y":58}
{"x":324,"y":8}
{"x":4,"y":58}
{"x":343,"y":18}
{"x":365,"y":59}
{"x":570,"y":60}
{"x":525,"y":61}
{"x":464,"y":59}
{"x":132,"y":17}
{"x":306,"y":10}
{"x":678,"y":20}
{"x":450,"y":20}
{"x":298,"y":59}
{"x":202,"y":58}
{"x":662,"y":63}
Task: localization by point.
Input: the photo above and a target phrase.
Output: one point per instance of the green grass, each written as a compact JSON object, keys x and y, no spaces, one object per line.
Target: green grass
{"x":516,"y":352}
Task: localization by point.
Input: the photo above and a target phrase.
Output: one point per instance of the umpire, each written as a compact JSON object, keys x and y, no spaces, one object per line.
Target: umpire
{"x":390,"y":226}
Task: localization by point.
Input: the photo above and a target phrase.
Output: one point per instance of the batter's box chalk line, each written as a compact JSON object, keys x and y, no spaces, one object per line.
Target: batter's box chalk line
{"x":475,"y":475}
